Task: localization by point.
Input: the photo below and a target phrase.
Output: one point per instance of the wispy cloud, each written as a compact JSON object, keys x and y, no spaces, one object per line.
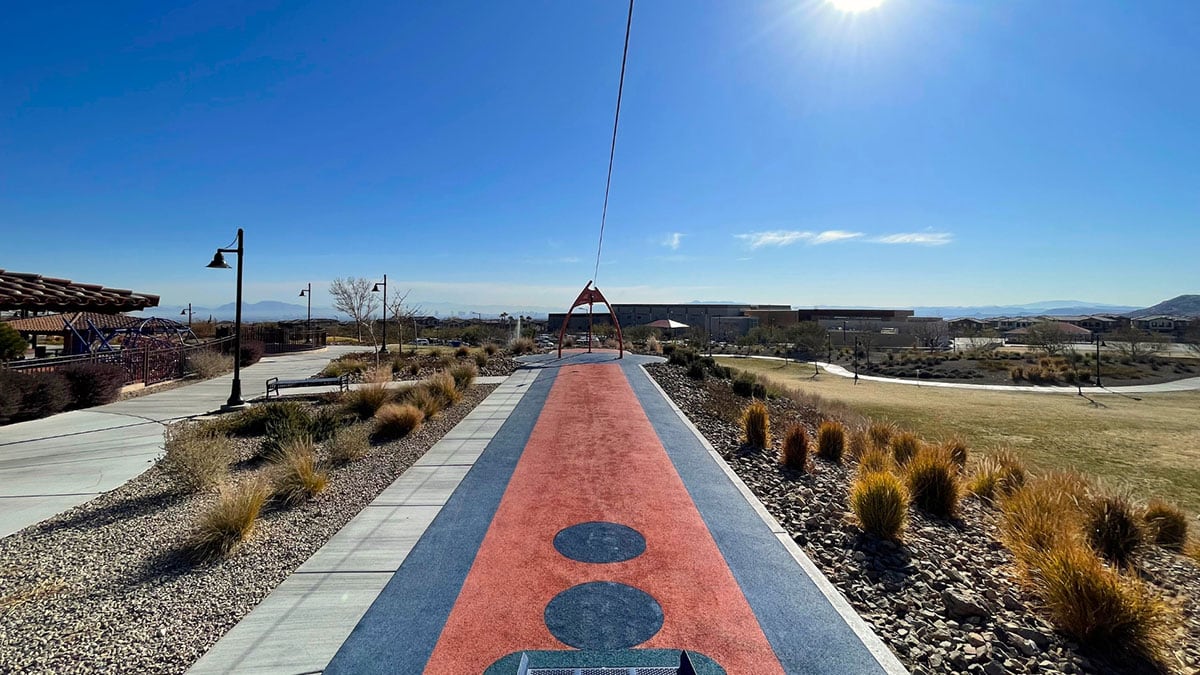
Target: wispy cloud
{"x":673,"y":240}
{"x":917,"y":238}
{"x":789,"y":237}
{"x":829,"y":236}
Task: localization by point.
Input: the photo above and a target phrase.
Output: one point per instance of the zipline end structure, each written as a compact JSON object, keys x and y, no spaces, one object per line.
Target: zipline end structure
{"x":589,"y":296}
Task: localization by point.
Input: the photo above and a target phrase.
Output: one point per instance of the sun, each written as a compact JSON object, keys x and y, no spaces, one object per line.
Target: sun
{"x":854,"y":6}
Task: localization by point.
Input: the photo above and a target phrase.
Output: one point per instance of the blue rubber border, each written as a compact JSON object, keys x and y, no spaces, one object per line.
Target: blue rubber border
{"x":806,"y":632}
{"x":400,"y":630}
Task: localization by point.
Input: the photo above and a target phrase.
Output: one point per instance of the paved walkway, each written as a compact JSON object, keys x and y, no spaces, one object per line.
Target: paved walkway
{"x":574,"y":519}
{"x":50,"y":465}
{"x":1187,"y":384}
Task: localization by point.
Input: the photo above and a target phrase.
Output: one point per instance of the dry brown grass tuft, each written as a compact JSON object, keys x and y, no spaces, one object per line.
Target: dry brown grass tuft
{"x":857,"y":443}
{"x":880,"y":434}
{"x":932,"y":481}
{"x":904,"y":446}
{"x":1038,"y":517}
{"x":795,"y":448}
{"x":876,"y":459}
{"x":442,"y":386}
{"x":365,"y":400}
{"x":756,"y":425}
{"x":397,"y":420}
{"x":1113,"y":528}
{"x":349,"y":444}
{"x":464,"y":375}
{"x":229,"y":520}
{"x":197,"y":455}
{"x":297,"y":478}
{"x":1096,"y":605}
{"x":986,"y":480}
{"x":209,"y":363}
{"x":831,"y":441}
{"x":956,"y":449}
{"x":1166,"y":524}
{"x":880,"y":503}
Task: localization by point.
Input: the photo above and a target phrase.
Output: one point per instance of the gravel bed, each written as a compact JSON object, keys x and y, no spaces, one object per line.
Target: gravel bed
{"x":107,"y":587}
{"x":944,"y":601}
{"x":499,"y":364}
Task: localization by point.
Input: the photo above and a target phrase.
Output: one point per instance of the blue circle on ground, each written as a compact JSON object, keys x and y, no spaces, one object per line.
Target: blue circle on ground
{"x":603,"y":615}
{"x":600,"y":542}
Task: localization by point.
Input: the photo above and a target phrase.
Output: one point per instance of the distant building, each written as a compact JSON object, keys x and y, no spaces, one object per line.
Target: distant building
{"x":1070,"y":333}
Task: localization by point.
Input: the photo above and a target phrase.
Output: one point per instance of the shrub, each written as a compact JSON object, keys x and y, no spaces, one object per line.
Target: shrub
{"x":325,"y":422}
{"x":831,"y":441}
{"x":414,"y":369}
{"x":795,"y":448}
{"x":522,"y":345}
{"x":397,"y":420}
{"x":435,"y":353}
{"x":365,"y":400}
{"x":743,"y":384}
{"x":442,"y":386}
{"x":880,"y":434}
{"x":94,"y":384}
{"x":880,"y":503}
{"x":1113,"y":528}
{"x":904,"y":445}
{"x":1096,"y":605}
{"x":491,"y":349}
{"x":931,"y":477}
{"x":464,"y":375}
{"x":348,"y":444}
{"x":696,"y":371}
{"x":229,"y":521}
{"x":285,"y":421}
{"x":875,"y":459}
{"x":41,"y":395}
{"x":1166,"y":524}
{"x":956,"y":449}
{"x":197,"y":456}
{"x":346,"y":366}
{"x":12,"y":345}
{"x":424,"y":400}
{"x":756,"y":425}
{"x":462,"y":352}
{"x":481,"y":359}
{"x":10,"y":395}
{"x":207,"y":363}
{"x":252,"y":351}
{"x":653,"y":346}
{"x":297,"y":478}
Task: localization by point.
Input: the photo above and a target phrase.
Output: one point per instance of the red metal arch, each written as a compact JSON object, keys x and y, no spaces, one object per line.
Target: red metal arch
{"x":589,"y":296}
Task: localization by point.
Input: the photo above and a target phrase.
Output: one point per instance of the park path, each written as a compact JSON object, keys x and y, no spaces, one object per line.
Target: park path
{"x":1186,"y":384}
{"x":52,"y":464}
{"x":576,"y":520}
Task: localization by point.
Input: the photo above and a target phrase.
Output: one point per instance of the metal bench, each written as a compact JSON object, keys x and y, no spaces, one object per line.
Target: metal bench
{"x":275,"y":384}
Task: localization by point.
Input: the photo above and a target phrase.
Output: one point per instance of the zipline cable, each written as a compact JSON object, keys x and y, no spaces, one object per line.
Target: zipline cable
{"x":612,"y":151}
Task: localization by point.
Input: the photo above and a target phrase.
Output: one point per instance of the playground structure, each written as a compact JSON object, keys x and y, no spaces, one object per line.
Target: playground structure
{"x":589,"y":296}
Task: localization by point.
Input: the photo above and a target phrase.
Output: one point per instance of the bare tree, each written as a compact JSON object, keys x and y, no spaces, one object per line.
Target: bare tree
{"x":930,"y":334}
{"x":810,"y":338}
{"x":1136,"y":343}
{"x":352,"y":296}
{"x":1191,"y":337}
{"x":1048,"y":336}
{"x":403,"y":314}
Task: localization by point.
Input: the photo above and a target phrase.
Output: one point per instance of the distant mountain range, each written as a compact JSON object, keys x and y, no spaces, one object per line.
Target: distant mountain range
{"x":1183,"y":305}
{"x":273,"y":310}
{"x":1046,"y":307}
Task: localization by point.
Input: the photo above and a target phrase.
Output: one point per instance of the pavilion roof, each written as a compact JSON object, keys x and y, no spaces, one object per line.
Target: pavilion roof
{"x":23,"y":291}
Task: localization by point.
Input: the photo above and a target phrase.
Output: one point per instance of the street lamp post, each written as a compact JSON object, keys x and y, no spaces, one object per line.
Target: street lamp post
{"x":383,"y":349}
{"x":856,"y":360}
{"x":307,"y":292}
{"x":235,"y":401}
{"x":187,"y":312}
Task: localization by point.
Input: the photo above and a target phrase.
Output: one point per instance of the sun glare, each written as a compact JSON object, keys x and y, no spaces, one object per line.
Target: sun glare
{"x":855,"y":5}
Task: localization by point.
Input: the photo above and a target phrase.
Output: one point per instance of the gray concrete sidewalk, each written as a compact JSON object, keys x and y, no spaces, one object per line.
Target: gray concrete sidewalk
{"x":1186,"y":384}
{"x":50,"y":465}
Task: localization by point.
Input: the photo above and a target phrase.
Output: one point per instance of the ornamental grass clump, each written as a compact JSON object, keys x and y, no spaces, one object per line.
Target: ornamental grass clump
{"x":795,"y":448}
{"x":984,"y":482}
{"x":424,"y":400}
{"x":481,"y":359}
{"x":365,"y":400}
{"x":857,"y":443}
{"x":197,"y":456}
{"x":904,"y":445}
{"x":297,"y":478}
{"x":208,"y":363}
{"x":1166,"y":525}
{"x":229,"y":521}
{"x":875,"y":459}
{"x":1113,"y":528}
{"x":879,"y":503}
{"x":1096,"y":605}
{"x":831,"y":441}
{"x":397,"y":420}
{"x":521,"y":346}
{"x":286,"y":421}
{"x":348,"y":444}
{"x":932,"y":481}
{"x":1038,"y":517}
{"x":880,"y":434}
{"x":756,"y":425}
{"x":464,"y":375}
{"x":442,"y":386}
{"x":956,"y":448}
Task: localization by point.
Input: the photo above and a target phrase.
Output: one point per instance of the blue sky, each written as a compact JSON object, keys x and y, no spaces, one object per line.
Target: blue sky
{"x":925,"y":152}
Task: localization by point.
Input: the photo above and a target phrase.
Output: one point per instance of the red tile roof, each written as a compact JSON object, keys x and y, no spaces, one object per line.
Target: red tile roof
{"x":35,"y":292}
{"x":53,"y":323}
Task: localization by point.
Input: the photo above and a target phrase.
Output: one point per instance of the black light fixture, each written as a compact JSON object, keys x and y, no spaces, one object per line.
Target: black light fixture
{"x":235,"y":401}
{"x":307,"y":292}
{"x":383,"y":349}
{"x":188,"y":313}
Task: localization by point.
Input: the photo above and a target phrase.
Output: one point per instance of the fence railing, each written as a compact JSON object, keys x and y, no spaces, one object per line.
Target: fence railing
{"x":145,"y":365}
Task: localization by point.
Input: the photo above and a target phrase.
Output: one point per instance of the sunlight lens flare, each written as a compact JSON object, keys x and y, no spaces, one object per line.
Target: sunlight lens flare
{"x":855,"y":6}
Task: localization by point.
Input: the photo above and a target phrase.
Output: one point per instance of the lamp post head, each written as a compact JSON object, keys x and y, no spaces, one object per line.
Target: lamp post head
{"x":218,"y":262}
{"x":182,"y":312}
{"x":303,"y":292}
{"x":375,"y":289}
